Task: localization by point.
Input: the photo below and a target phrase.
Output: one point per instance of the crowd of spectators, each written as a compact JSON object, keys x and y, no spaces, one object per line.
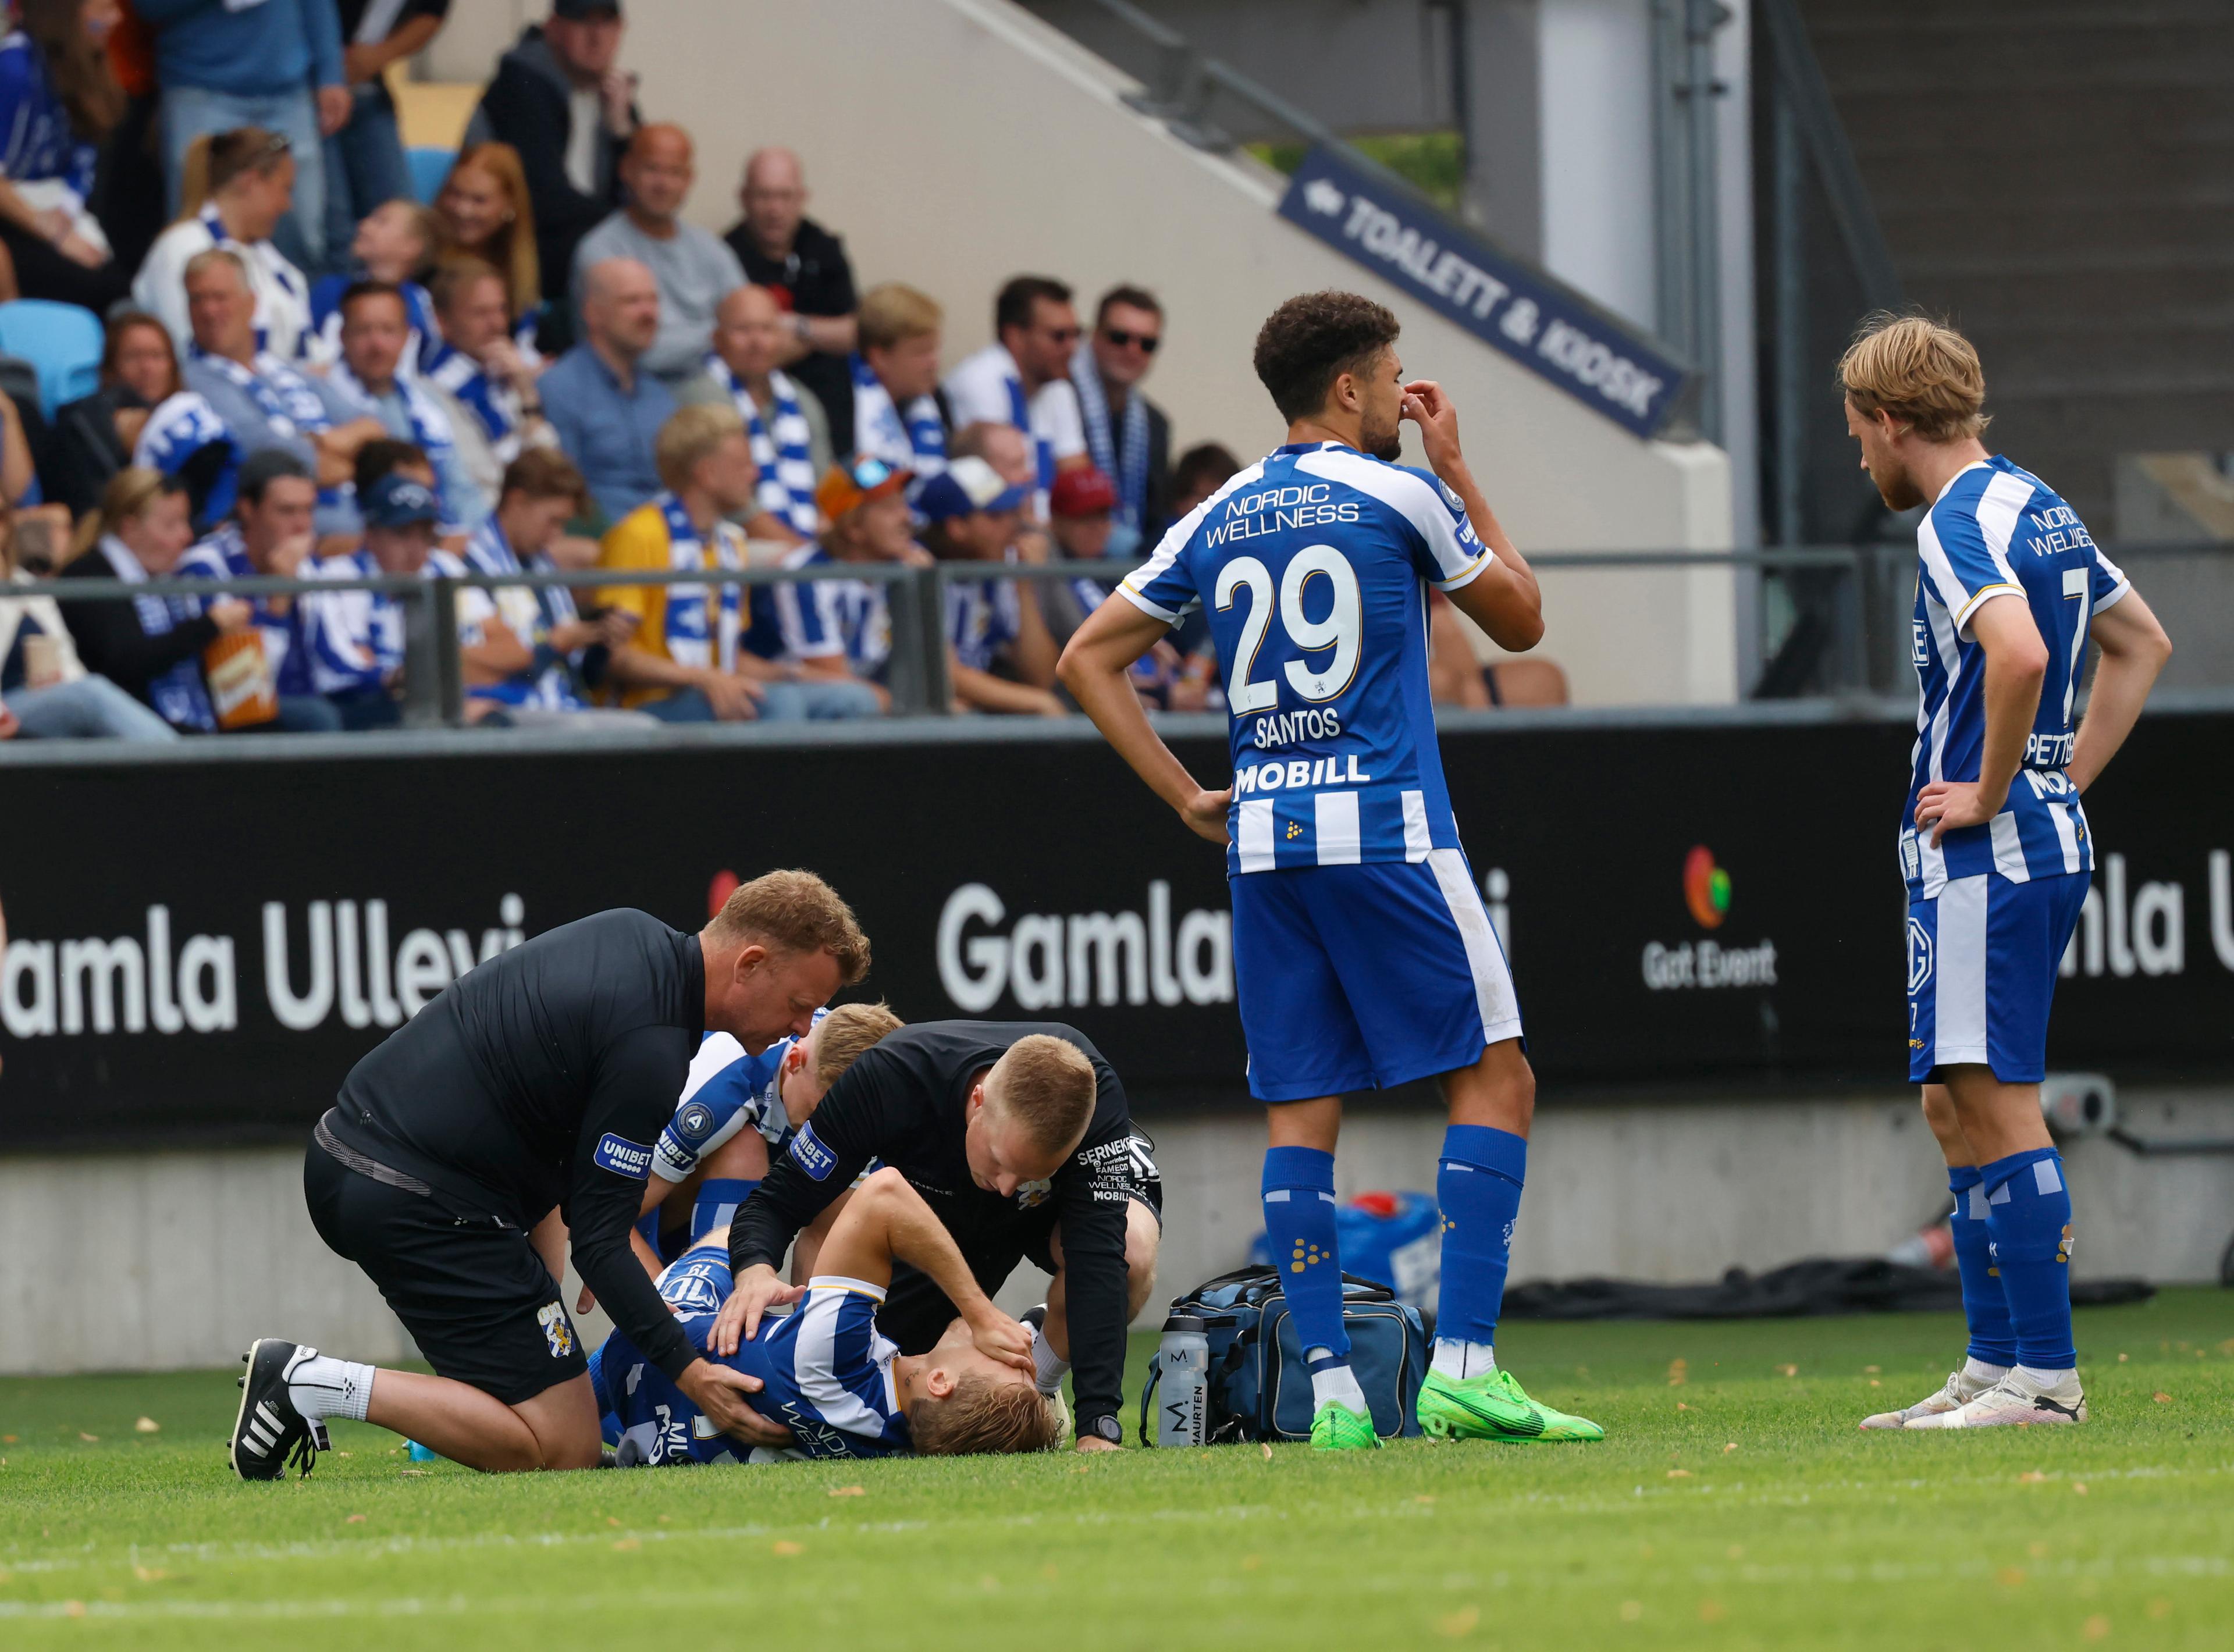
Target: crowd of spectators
{"x":547,"y":368}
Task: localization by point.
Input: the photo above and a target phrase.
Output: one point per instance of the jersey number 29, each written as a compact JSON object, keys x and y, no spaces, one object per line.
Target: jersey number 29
{"x":1342,"y":629}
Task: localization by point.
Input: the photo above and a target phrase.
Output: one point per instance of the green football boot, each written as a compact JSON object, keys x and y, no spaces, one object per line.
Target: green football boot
{"x":1334,"y":1426}
{"x":1493,"y":1405}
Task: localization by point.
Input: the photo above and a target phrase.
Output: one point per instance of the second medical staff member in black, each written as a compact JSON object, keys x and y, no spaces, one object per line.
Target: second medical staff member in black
{"x":537,"y":1082}
{"x":1018,"y":1135}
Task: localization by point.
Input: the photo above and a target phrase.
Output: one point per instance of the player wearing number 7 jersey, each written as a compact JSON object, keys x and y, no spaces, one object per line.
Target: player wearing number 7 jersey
{"x":1363,"y":954}
{"x":1993,"y":842}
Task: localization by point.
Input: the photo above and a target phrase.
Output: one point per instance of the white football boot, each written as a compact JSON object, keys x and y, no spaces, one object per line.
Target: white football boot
{"x":2017,"y":1400}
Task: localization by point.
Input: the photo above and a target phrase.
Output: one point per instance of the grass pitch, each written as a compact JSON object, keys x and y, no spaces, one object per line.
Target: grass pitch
{"x":1733,"y":1505}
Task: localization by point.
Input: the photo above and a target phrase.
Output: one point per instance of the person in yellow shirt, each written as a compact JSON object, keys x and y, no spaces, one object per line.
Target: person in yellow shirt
{"x":686,"y":662}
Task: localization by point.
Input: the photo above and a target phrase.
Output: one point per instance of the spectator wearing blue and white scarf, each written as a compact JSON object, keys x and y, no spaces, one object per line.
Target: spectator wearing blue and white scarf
{"x":357,"y":635}
{"x":149,"y":646}
{"x":1127,"y":436}
{"x":489,"y":375}
{"x":781,"y":417}
{"x":1022,"y":378}
{"x":376,"y":331}
{"x":521,"y":647}
{"x":897,"y":415}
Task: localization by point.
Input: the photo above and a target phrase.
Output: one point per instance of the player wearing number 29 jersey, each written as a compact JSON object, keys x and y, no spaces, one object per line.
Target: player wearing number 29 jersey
{"x":1312,"y":566}
{"x":1362,"y":953}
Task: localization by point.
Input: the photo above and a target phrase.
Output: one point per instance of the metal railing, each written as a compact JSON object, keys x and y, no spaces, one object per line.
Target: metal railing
{"x":1839,"y":628}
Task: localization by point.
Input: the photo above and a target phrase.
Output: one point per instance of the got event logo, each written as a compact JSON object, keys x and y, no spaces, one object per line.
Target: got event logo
{"x":1706,"y":888}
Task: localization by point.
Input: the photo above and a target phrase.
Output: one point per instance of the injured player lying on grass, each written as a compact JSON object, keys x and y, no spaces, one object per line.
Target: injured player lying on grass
{"x":822,"y":1370}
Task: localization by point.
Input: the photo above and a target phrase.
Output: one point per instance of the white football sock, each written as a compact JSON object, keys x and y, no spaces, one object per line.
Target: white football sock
{"x":1048,"y":1366}
{"x":323,"y":1386}
{"x":1979,"y":1371}
{"x":2048,"y":1380}
{"x":1335,"y":1383}
{"x":1461,"y":1359}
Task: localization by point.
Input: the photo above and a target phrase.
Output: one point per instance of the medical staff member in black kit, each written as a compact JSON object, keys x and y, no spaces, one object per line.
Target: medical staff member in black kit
{"x":536,"y":1084}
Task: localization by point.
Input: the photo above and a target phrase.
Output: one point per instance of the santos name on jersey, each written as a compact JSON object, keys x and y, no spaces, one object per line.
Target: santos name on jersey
{"x":1314,"y":566}
{"x":827,"y":1372}
{"x":1997,"y":531}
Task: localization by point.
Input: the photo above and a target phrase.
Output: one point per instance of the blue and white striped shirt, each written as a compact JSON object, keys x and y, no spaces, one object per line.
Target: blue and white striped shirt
{"x":825,"y":618}
{"x":726,"y":1091}
{"x":1314,"y":564}
{"x":1997,"y":531}
{"x":827,"y":1373}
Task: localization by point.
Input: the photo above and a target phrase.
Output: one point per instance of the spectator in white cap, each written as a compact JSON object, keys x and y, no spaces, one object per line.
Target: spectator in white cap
{"x":992,"y":625}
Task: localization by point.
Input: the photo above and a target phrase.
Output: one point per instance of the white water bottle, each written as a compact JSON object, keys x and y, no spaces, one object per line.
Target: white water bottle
{"x":1182,"y":1382}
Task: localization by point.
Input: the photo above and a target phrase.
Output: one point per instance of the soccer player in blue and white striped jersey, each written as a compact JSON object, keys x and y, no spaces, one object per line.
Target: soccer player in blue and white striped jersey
{"x":822,"y":1370}
{"x":1994,"y":844}
{"x":1364,"y":956}
{"x":736,"y":1109}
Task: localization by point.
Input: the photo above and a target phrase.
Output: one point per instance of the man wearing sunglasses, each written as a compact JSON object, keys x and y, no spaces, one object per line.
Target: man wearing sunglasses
{"x":1023,"y":377}
{"x":1127,"y":436}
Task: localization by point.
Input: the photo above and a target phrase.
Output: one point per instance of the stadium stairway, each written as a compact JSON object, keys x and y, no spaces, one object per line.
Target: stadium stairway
{"x":953,"y":143}
{"x":2057,"y":178}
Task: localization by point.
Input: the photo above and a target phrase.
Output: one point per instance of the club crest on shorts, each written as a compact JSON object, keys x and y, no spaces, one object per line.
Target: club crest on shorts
{"x":557,"y":1330}
{"x":1919,"y":956}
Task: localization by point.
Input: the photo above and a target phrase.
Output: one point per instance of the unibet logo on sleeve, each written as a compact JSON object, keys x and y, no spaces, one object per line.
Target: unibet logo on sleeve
{"x":623,"y":1157}
{"x":810,"y":1155}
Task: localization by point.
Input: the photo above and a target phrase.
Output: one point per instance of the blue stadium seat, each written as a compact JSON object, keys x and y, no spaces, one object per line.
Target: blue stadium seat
{"x":61,"y":341}
{"x":428,"y":169}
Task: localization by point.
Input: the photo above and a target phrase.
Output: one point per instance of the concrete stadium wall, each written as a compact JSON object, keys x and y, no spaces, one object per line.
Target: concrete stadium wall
{"x":175,"y":1261}
{"x":953,"y":143}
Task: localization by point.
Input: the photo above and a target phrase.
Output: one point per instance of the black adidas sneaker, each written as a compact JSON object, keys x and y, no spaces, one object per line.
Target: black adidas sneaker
{"x":269,"y":1436}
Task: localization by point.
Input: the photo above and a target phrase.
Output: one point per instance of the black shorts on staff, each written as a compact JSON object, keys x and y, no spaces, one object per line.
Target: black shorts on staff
{"x":472,"y":1291}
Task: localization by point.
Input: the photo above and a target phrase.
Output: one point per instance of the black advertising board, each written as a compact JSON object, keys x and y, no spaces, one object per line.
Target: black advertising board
{"x":197,"y":951}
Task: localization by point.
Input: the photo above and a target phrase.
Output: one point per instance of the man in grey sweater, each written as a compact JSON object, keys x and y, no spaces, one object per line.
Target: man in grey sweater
{"x":695,"y":269}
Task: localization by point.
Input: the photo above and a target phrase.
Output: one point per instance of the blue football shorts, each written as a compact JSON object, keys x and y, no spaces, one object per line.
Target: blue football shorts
{"x":1364,"y":977}
{"x":1982,"y":956}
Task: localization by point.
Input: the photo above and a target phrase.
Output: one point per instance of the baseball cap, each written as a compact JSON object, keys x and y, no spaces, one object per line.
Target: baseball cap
{"x":1083,"y":491}
{"x":847,"y":487}
{"x":967,"y":485}
{"x":396,"y":501}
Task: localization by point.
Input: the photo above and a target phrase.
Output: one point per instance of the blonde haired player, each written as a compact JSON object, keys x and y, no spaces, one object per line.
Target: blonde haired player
{"x":734,"y":1110}
{"x":1994,"y":844}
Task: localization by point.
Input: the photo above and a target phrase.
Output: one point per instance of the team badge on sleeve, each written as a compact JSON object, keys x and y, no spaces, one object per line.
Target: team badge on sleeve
{"x":695,"y":1123}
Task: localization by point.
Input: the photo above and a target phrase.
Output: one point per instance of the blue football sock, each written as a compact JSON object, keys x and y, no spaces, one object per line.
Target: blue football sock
{"x":1985,"y":1305}
{"x":718,"y":1199}
{"x":1299,"y":1225}
{"x":647,"y":1225}
{"x":1478,"y":1184}
{"x":2028,"y":1219}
